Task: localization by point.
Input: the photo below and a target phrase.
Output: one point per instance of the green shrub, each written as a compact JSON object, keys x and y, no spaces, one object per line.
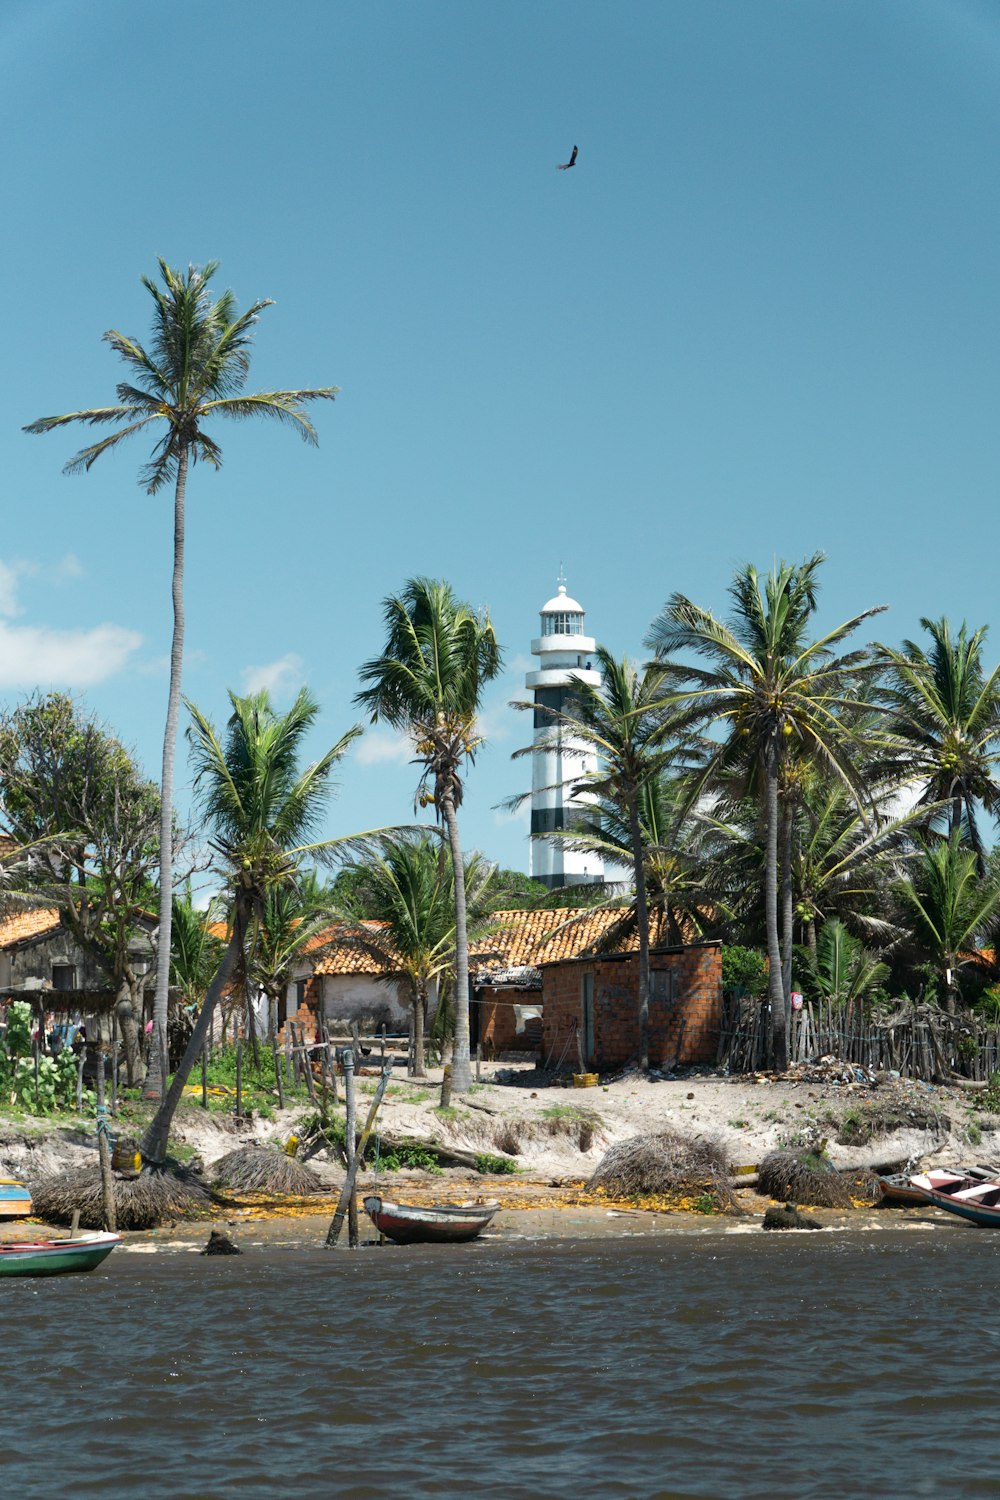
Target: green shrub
{"x":744,"y":970}
{"x":494,"y":1166}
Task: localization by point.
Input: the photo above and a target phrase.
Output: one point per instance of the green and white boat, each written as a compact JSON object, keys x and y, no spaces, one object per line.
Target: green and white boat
{"x":81,"y":1252}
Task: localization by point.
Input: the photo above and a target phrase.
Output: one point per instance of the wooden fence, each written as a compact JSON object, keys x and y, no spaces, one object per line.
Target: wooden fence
{"x":910,"y":1046}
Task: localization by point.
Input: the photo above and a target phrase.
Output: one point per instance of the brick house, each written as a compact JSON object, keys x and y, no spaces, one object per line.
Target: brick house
{"x":344,"y":983}
{"x":590,"y":1008}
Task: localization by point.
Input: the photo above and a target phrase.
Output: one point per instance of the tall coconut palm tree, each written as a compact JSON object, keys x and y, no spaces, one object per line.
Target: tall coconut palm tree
{"x":262,"y":808}
{"x":775,"y":694}
{"x":621,"y":721}
{"x":944,"y":715}
{"x":427,"y":683}
{"x":194,"y":370}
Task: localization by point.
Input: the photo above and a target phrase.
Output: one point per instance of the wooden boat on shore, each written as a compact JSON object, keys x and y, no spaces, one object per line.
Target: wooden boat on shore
{"x":906,"y":1190}
{"x":441,"y":1223}
{"x":15,"y":1199}
{"x":980,"y":1203}
{"x":56,"y":1257}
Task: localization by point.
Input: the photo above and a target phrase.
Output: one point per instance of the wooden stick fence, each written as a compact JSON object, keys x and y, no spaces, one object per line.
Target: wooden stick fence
{"x":909,"y":1046}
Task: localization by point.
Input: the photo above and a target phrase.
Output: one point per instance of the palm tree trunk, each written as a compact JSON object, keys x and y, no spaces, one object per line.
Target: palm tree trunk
{"x":156,"y":1074}
{"x":775,"y":987}
{"x":787,"y":910}
{"x":419,"y":1012}
{"x":461,"y":1067}
{"x":154,"y":1142}
{"x":642,"y":928}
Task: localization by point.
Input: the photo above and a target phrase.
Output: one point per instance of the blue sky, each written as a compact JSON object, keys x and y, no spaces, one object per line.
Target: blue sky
{"x":759,"y":318}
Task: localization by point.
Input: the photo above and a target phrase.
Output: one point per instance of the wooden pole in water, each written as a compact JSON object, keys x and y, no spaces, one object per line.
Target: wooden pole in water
{"x":351,"y":1132}
{"x":337,"y":1223}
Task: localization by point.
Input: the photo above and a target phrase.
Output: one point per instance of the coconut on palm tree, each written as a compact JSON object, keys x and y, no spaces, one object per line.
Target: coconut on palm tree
{"x":263,"y":809}
{"x":621,"y":722}
{"x":439,"y":653}
{"x":776,"y":696}
{"x":194,"y":370}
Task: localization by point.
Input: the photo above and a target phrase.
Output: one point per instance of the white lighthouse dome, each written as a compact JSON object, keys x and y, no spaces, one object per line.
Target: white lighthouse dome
{"x":562,"y":602}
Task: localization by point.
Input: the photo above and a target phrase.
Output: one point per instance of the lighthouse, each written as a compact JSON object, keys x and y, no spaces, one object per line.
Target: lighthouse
{"x":565,"y":655}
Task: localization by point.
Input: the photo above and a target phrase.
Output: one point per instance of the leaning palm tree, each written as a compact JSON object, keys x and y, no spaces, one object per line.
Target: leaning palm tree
{"x":438,"y":655}
{"x":194,"y":370}
{"x":777,"y":696}
{"x":262,"y":808}
{"x":621,"y":723}
{"x":944,"y":716}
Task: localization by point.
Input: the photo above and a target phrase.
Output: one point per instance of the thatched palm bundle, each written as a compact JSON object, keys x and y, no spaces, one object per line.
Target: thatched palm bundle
{"x":255,"y":1169}
{"x":140,"y":1202}
{"x":803,"y":1177}
{"x":665,"y":1163}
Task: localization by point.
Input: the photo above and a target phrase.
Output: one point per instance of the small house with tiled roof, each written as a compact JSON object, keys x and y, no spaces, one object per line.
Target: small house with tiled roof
{"x":345,"y":983}
{"x":39,"y":957}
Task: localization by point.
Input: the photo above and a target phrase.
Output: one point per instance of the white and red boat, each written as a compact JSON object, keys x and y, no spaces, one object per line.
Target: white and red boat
{"x":440,"y":1223}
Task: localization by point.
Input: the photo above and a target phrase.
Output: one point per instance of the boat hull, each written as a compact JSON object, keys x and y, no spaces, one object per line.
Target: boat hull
{"x":56,"y":1257}
{"x":985,"y":1215}
{"x":441,"y":1224}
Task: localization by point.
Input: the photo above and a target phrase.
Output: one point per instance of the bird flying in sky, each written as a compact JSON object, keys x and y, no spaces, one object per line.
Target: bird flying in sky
{"x":564,"y":166}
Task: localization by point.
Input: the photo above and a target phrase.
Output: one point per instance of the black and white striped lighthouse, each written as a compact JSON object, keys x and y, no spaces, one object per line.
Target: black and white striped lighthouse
{"x":565,"y":655}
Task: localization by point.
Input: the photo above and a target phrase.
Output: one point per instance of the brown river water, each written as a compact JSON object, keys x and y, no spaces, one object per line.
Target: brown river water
{"x":736,"y":1365}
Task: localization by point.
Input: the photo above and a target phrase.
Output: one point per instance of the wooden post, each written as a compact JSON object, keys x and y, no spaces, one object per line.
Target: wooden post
{"x":114,"y":1062}
{"x":239,"y":1077}
{"x":204,"y":1075}
{"x":307,"y":1064}
{"x":277,"y":1071}
{"x":350,"y":1142}
{"x":103,"y":1150}
{"x":74,"y":1227}
{"x":347,"y":1191}
{"x":331,"y":1063}
{"x":79,"y":1079}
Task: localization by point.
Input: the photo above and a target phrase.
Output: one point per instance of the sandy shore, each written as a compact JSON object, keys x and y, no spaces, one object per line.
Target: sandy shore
{"x":555,"y":1137}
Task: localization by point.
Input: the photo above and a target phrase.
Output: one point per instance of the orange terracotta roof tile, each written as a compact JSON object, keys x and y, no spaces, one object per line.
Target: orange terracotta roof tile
{"x":520,"y":938}
{"x":342,"y":956}
{"x":531,"y":938}
{"x":22,"y":925}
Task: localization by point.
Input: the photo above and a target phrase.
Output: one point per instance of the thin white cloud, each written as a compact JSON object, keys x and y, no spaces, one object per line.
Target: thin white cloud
{"x":280,"y":679}
{"x":381,"y":747}
{"x":69,"y":566}
{"x":10,"y":576}
{"x":34,"y":655}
